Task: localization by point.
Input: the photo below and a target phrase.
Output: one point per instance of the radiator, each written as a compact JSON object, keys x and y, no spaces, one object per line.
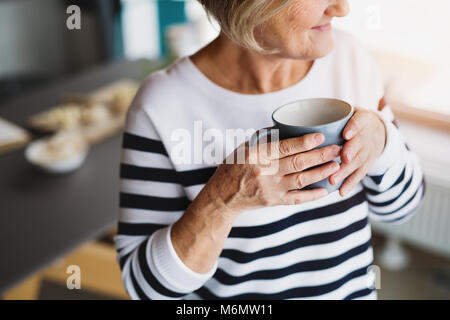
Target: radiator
{"x":429,"y":228}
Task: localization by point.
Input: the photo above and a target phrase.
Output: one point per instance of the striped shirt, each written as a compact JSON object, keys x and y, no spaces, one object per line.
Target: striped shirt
{"x":315,"y":250}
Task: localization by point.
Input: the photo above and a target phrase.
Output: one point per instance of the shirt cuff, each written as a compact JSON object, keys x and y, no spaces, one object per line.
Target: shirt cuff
{"x":393,"y":149}
{"x":170,"y":267}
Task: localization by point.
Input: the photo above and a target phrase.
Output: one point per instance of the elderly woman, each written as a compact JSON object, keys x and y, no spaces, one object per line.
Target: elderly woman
{"x":192,"y":229}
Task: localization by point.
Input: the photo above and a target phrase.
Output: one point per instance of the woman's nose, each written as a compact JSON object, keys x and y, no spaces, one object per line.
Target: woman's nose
{"x":339,"y":8}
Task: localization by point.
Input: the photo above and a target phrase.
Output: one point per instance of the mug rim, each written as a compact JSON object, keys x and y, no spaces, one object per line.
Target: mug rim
{"x":313,"y":99}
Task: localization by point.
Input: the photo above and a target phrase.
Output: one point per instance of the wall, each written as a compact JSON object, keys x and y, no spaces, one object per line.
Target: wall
{"x":26,"y":25}
{"x":412,"y":28}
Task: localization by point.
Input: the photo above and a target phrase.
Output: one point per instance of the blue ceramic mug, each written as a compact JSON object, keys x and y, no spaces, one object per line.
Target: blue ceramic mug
{"x":326,"y":116}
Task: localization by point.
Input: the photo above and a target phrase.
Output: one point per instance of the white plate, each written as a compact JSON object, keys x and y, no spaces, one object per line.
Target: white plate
{"x":57,"y":167}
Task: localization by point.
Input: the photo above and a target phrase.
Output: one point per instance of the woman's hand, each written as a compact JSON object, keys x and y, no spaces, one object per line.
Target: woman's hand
{"x":260,"y":179}
{"x":254,"y":184}
{"x":366,"y":138}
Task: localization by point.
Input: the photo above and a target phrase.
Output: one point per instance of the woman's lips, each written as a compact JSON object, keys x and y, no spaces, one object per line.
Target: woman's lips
{"x":324,"y":27}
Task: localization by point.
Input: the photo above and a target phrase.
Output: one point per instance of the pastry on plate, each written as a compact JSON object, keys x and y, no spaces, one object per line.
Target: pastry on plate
{"x":122,"y":98}
{"x":63,"y":152}
{"x":64,"y":117}
{"x":95,"y":113}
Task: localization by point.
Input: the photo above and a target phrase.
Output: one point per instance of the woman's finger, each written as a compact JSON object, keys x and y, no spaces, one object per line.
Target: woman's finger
{"x":352,"y":181}
{"x":346,"y":169}
{"x":308,"y":177}
{"x":351,"y":148}
{"x":306,"y":160}
{"x":356,"y":123}
{"x":301,"y":196}
{"x":288,"y":147}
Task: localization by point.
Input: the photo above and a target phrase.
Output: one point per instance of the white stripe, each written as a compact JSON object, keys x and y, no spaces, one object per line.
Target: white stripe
{"x":396,"y":190}
{"x":346,"y":289}
{"x":405,"y":196}
{"x":192,"y":296}
{"x":193,"y":191}
{"x":301,"y":279}
{"x":395,"y":170}
{"x":125,"y":251}
{"x":128,"y":244}
{"x":403,"y":212}
{"x":146,"y":159}
{"x":311,"y":227}
{"x":403,"y":219}
{"x":152,"y":188}
{"x":389,"y":177}
{"x":190,"y":166}
{"x":138,"y":216}
{"x":312,"y":252}
{"x":122,"y":241}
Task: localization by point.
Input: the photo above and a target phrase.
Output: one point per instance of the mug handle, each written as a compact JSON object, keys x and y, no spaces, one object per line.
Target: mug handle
{"x":254,"y":139}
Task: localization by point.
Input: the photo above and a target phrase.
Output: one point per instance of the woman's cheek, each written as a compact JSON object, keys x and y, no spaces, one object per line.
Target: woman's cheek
{"x":300,"y":17}
{"x":290,"y":30}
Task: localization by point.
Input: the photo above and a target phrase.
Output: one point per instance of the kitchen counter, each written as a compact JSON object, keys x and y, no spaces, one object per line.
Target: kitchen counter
{"x":44,"y":217}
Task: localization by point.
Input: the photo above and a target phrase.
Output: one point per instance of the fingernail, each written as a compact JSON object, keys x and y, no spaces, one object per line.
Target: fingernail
{"x":349,"y":157}
{"x":335,"y":180}
{"x":349,"y":134}
{"x":334,"y":166}
{"x":336,"y":150}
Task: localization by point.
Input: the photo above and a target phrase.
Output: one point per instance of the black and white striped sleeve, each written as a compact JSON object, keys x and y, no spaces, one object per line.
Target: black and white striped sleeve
{"x":394,"y":185}
{"x":151,"y":200}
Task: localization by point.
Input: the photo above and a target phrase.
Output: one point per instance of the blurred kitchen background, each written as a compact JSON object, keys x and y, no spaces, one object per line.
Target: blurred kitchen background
{"x":49,"y":222}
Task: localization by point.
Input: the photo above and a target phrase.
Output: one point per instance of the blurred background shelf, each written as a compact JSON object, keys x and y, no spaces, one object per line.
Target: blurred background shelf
{"x":12,"y":136}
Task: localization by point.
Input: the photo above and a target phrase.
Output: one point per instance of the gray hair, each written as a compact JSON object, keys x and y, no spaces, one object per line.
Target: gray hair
{"x":239,"y":19}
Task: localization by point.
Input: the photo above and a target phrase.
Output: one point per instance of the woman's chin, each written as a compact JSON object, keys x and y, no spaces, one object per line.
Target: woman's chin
{"x":322,"y":48}
{"x":317,"y":52}
{"x":319,"y":47}
{"x":324,"y":51}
